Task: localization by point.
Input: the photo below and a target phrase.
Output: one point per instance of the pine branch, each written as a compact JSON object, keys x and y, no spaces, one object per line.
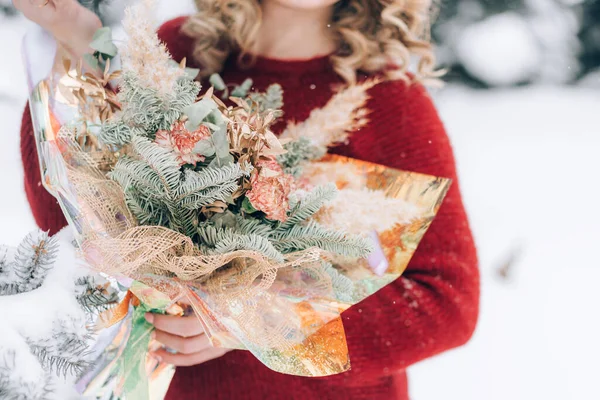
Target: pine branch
{"x":5,"y":260}
{"x":298,"y":153}
{"x":343,"y":287}
{"x":68,"y":351}
{"x":161,"y":161}
{"x":302,"y":237}
{"x":35,"y":257}
{"x":225,"y":240}
{"x":183,"y":220}
{"x":116,"y":132}
{"x":14,"y":386}
{"x":61,"y":365}
{"x":309,"y":206}
{"x":8,"y":286}
{"x":154,"y":177}
{"x":253,"y":226}
{"x":138,"y":175}
{"x":145,"y":111}
{"x":95,"y":294}
{"x":158,"y":193}
{"x":209,"y":185}
{"x":8,"y":289}
{"x":211,"y":195}
{"x":272,"y":99}
{"x":145,"y":209}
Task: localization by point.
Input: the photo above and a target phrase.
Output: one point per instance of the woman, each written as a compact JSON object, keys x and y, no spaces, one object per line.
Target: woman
{"x":310,"y":47}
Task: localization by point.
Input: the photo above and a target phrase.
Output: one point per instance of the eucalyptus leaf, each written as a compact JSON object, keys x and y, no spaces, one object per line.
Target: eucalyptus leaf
{"x":102,"y":42}
{"x":211,"y":126}
{"x":198,"y":112}
{"x":217,"y":82}
{"x":205,"y":148}
{"x":242,"y":90}
{"x":247,"y":207}
{"x":219,"y":162}
{"x":91,"y":61}
{"x":225,"y":220}
{"x":229,"y":200}
{"x":189,"y":73}
{"x":219,"y":139}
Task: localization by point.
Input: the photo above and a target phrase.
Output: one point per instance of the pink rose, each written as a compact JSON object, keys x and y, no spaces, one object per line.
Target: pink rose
{"x":182,"y":142}
{"x":270,"y":190}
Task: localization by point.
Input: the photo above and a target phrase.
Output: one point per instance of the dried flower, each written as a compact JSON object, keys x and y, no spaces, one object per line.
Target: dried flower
{"x":341,"y":212}
{"x":270,"y":190}
{"x":183,"y":142}
{"x":344,"y":175}
{"x":144,"y":55}
{"x":250,"y":135}
{"x":96,"y":99}
{"x":343,"y":114}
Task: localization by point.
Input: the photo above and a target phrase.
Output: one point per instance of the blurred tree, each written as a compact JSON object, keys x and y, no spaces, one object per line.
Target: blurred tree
{"x":589,"y":35}
{"x":7,"y":8}
{"x":488,"y":43}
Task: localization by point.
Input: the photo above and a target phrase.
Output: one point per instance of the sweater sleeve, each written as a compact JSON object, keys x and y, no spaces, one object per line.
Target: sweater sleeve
{"x":433,"y":307}
{"x":44,"y":207}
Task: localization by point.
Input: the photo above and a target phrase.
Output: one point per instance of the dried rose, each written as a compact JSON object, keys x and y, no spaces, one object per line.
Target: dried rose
{"x":183,"y":142}
{"x":270,"y":191}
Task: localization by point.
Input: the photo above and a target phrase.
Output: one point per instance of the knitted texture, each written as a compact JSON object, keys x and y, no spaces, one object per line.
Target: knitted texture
{"x":44,"y":206}
{"x":433,"y":307}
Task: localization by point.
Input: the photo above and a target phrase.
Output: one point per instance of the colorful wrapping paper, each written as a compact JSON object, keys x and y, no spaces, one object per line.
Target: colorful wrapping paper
{"x":287,"y":315}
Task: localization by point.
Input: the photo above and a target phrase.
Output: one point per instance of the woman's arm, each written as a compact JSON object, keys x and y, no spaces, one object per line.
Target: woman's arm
{"x":433,"y":307}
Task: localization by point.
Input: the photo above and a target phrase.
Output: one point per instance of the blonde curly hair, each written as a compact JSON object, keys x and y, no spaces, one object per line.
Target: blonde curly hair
{"x":372,"y":35}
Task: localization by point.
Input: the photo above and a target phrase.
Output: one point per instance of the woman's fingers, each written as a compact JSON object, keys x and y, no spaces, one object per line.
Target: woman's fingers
{"x":187,"y":360}
{"x":185,"y":335}
{"x":180,"y":326}
{"x":68,"y":21}
{"x":182,"y":345}
{"x":39,"y":11}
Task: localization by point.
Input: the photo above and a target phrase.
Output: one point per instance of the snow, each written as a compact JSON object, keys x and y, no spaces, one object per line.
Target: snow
{"x":26,"y":370}
{"x":526,"y":160}
{"x":34,"y":315}
{"x":31,"y":316}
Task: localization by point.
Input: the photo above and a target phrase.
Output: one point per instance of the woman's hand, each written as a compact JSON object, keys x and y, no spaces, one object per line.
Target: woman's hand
{"x":186,"y":336}
{"x":69,"y":22}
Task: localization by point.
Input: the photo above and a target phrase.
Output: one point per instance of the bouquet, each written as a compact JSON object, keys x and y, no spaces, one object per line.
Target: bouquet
{"x":178,"y":195}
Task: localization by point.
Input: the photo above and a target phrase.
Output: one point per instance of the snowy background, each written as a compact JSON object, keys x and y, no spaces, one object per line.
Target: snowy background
{"x":527,"y":148}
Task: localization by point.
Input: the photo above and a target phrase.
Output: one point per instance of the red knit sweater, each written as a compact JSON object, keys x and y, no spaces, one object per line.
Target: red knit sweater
{"x":433,"y":307}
